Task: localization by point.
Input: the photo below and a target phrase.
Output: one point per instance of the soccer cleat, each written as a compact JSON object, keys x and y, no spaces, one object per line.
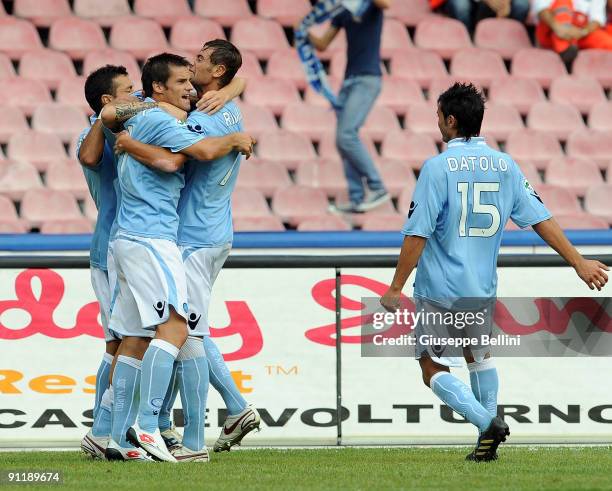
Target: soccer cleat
{"x":152,"y":443}
{"x":184,"y":454}
{"x":126,"y":454}
{"x":486,"y":448}
{"x":94,"y":445}
{"x":236,"y":428}
{"x":375,"y":199}
{"x":172,"y":438}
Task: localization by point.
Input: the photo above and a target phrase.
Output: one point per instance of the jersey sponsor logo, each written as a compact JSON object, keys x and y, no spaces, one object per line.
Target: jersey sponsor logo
{"x":413,"y":206}
{"x":159,"y":308}
{"x":193,"y":320}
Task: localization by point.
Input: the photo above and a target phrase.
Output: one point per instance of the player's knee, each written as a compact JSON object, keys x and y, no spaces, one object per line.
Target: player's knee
{"x":174,"y":330}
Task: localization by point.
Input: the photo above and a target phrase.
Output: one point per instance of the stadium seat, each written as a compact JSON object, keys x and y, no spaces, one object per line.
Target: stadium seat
{"x":261,"y":36}
{"x":582,"y":93}
{"x":190,"y":33}
{"x":262,"y":175}
{"x":541,"y":65}
{"x":592,"y":145}
{"x":558,"y":120}
{"x":385,"y":210}
{"x":530,"y":172}
{"x":250,"y":66}
{"x":313,"y":98}
{"x":249,"y":203}
{"x":272,"y":93}
{"x":286,"y":65}
{"x":40,"y":205}
{"x":490,"y":141}
{"x":504,"y":36}
{"x":285,"y":147}
{"x":558,"y":199}
{"x":6,"y":67}
{"x":90,"y":210}
{"x":18,"y":177}
{"x":383,"y":223}
{"x":338,"y":45}
{"x":70,"y":91}
{"x":397,"y":176}
{"x":397,"y":94}
{"x":286,"y":13}
{"x":48,"y":66}
{"x":41,"y":13}
{"x":395,"y":38}
{"x":76,"y":37}
{"x":479,"y":66}
{"x":600,"y":117}
{"x":97,"y":59}
{"x":328,"y":149}
{"x":533,"y":146}
{"x":24,"y":94}
{"x":9,"y":222}
{"x":312,"y":121}
{"x":257,"y":119}
{"x":105,"y":13}
{"x":140,"y":37}
{"x":74,"y":226}
{"x":574,"y":174}
{"x":421,"y":119}
{"x":444,"y":36}
{"x":59,"y":119}
{"x":295,"y":204}
{"x":409,"y":12}
{"x":226,"y":13}
{"x":12,"y":122}
{"x":594,"y":63}
{"x":17,"y":37}
{"x":418,"y":65}
{"x":67,"y":176}
{"x":325,"y":174}
{"x":40,"y":149}
{"x":500,"y":120}
{"x":328,"y":223}
{"x":404,"y":200}
{"x":269,"y":223}
{"x":165,"y":12}
{"x":380,"y":121}
{"x":597,"y":201}
{"x":581,"y":221}
{"x":408,"y":147}
{"x":522,"y":93}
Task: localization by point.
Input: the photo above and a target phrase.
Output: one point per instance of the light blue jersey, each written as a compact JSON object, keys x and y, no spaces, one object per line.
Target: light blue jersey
{"x":149,"y":197}
{"x":101,"y":182}
{"x":462,"y":201}
{"x":205,"y":207}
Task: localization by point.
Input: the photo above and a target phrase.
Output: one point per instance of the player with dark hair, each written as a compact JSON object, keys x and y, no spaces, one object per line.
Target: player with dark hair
{"x":462,"y":201}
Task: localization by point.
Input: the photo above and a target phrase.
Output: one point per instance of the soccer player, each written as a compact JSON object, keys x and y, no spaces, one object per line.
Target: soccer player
{"x":152,"y":299}
{"x":462,"y":201}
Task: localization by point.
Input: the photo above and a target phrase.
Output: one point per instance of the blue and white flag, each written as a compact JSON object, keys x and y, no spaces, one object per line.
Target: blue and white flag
{"x":322,"y":11}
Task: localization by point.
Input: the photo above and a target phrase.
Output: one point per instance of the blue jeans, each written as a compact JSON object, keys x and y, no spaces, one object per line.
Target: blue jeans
{"x":356,"y":98}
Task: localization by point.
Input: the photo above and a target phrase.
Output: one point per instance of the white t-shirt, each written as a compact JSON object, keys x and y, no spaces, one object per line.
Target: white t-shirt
{"x":595,"y":10}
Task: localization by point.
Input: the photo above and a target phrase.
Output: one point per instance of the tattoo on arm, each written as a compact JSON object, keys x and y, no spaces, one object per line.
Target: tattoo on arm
{"x":125,"y":111}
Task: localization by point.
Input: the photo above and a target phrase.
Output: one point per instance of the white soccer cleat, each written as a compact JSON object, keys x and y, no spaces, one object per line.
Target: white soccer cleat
{"x":184,"y":454}
{"x":94,"y":445}
{"x":172,"y":438}
{"x":126,"y":454}
{"x":236,"y":428}
{"x":152,"y":443}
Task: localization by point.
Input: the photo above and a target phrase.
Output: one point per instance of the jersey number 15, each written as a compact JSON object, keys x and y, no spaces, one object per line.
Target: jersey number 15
{"x":478,"y":208}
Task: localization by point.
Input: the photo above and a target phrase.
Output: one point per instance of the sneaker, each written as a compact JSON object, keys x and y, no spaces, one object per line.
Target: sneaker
{"x":184,"y":454}
{"x":94,"y":445}
{"x":115,"y":452}
{"x":172,"y":438}
{"x":374,"y":200}
{"x":486,"y":448}
{"x":349,"y":207}
{"x":152,"y":443}
{"x":236,"y":428}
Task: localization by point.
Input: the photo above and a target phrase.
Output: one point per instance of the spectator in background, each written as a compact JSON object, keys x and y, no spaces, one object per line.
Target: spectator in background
{"x":470,"y":12}
{"x":566,"y":26}
{"x":361,"y":86}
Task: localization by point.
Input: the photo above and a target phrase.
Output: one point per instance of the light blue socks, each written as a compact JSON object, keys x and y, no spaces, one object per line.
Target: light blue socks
{"x":126,"y":395}
{"x":485,"y":384}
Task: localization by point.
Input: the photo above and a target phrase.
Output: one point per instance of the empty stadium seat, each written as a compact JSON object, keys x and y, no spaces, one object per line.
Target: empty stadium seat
{"x":600,"y":117}
{"x":286,"y":13}
{"x":533,"y":146}
{"x":380,"y":121}
{"x":190,"y":33}
{"x":74,"y":226}
{"x":46,"y":65}
{"x":40,"y":149}
{"x":383,"y":223}
{"x":422,"y":119}
{"x":328,"y":223}
{"x":41,"y":12}
{"x":226,"y":13}
{"x":40,"y":205}
{"x":257,"y":119}
{"x":557,"y":199}
{"x":76,"y":37}
{"x":250,"y":66}
{"x":574,"y":174}
{"x":328,"y":149}
{"x":557,"y":119}
{"x":592,"y":145}
{"x":530,"y":172}
{"x":286,"y":65}
{"x":262,"y":175}
{"x":395,"y":38}
{"x":338,"y":45}
{"x":397,"y":176}
{"x":522,"y":93}
{"x":325,"y":174}
{"x":260,"y":36}
{"x":418,"y":65}
{"x":385,"y":210}
{"x":408,"y":147}
{"x":272,"y":93}
{"x":24,"y":94}
{"x":17,"y":37}
{"x":269,"y":223}
{"x":105,"y":13}
{"x":397,"y":94}
{"x":249,"y":203}
{"x":165,"y":12}
{"x":13,"y":121}
{"x":97,"y":59}
{"x":140,"y":37}
{"x":9,"y":222}
{"x":443,"y":35}
{"x":594,"y":63}
{"x":404,"y":201}
{"x":90,"y":210}
{"x":580,"y":221}
{"x":312,"y":121}
{"x":582,"y":93}
{"x":479,"y":66}
{"x":70,"y":91}
{"x":285,"y":147}
{"x":16,"y":178}
{"x":313,"y":98}
{"x":500,"y":120}
{"x":59,"y":119}
{"x":538,"y":64}
{"x":6,"y":67}
{"x":490,"y":141}
{"x":597,"y":201}
{"x":67,"y":176}
{"x":295,"y":204}
{"x":504,"y":36}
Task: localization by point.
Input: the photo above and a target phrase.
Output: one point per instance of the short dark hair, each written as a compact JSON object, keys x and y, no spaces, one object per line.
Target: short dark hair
{"x":100,"y":82}
{"x":157,"y":69}
{"x":226,"y":54}
{"x":467,"y":104}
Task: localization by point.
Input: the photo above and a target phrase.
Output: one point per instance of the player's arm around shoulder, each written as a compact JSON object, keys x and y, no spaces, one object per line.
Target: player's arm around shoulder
{"x":91,"y":146}
{"x":152,"y":156}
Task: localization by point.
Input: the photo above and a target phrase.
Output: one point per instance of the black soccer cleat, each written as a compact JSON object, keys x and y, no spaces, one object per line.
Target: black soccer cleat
{"x":486,"y":448}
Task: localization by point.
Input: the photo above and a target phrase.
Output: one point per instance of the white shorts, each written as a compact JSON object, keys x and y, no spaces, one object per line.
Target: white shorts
{"x":202,"y":266}
{"x":101,"y":288}
{"x":150,"y":279}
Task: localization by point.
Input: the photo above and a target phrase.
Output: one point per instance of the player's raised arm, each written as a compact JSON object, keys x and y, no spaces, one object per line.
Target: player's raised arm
{"x":217,"y":147}
{"x":593,"y":273}
{"x":150,"y":155}
{"x":213,"y":100}
{"x":91,"y":147}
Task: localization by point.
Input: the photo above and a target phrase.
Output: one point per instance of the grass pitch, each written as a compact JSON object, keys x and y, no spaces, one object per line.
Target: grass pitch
{"x":346,"y":468}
